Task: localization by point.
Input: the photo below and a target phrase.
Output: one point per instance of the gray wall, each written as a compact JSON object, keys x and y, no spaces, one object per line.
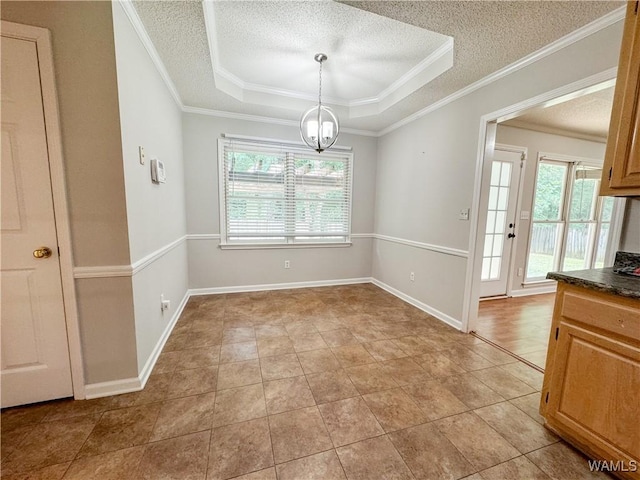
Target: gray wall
{"x":426,"y":170}
{"x":85,"y":68}
{"x":150,"y":117}
{"x":630,"y":238}
{"x":209,"y":266}
{"x":537,"y":142}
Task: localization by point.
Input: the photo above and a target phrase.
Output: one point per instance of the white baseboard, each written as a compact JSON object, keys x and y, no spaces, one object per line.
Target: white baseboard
{"x":134,"y":384}
{"x":278,"y":286}
{"x":542,"y":289}
{"x":449,"y":320}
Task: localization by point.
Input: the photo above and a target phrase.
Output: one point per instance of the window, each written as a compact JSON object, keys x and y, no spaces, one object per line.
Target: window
{"x":273,"y":194}
{"x":571,"y":223}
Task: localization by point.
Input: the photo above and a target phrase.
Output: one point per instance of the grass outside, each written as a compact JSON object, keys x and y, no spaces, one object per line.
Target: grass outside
{"x":540,"y":264}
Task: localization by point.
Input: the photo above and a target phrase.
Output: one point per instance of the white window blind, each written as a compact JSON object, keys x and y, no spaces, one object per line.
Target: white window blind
{"x":283,"y":194}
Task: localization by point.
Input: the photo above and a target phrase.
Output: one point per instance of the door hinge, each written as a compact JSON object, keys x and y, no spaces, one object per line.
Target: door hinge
{"x":636,"y":11}
{"x":58,"y":251}
{"x":546,"y":399}
{"x":557,"y":330}
{"x":611,"y":169}
{"x":522,"y":158}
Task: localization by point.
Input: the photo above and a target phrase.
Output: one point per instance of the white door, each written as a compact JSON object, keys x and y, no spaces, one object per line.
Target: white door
{"x":35,"y":351}
{"x":500,"y":228}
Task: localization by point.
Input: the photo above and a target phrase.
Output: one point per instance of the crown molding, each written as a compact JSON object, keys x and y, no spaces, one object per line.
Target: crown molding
{"x":554,"y":131}
{"x":138,"y":26}
{"x":575,"y":36}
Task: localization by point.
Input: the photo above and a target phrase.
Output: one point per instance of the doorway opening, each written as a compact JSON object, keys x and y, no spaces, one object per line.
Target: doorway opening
{"x":549,"y":218}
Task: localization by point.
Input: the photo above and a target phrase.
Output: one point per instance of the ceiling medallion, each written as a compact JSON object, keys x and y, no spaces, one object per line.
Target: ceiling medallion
{"x":319,"y":126}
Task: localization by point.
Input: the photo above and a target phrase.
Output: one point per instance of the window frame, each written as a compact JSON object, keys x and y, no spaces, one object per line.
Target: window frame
{"x":291,"y":151}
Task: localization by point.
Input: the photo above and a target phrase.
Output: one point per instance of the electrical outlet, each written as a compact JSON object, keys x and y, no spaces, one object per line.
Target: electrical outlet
{"x":287,"y":264}
{"x":412,"y":276}
{"x":142,"y":155}
{"x":164,"y":304}
{"x":464,"y":214}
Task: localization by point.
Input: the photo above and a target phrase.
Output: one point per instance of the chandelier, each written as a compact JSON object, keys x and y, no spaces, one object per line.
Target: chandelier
{"x":319,"y":126}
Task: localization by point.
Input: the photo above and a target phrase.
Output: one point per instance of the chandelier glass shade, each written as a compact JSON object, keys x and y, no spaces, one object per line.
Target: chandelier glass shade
{"x":319,"y":126}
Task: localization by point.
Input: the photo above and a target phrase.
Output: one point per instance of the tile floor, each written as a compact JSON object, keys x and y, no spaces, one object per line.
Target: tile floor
{"x":324,"y":383}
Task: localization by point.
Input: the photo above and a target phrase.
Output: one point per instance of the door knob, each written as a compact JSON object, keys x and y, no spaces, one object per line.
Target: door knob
{"x":42,"y":252}
{"x":511,"y":235}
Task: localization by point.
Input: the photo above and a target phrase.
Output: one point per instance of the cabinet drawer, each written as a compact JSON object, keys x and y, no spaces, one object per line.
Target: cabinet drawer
{"x":621,"y":317}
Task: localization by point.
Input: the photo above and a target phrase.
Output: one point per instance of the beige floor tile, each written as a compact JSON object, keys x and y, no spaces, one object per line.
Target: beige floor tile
{"x":367,"y":334}
{"x":373,"y":458}
{"x":118,"y":465}
{"x":466,"y":358}
{"x":321,"y":466}
{"x":238,"y":335}
{"x":437,"y":364}
{"x":517,"y":427}
{"x":310,"y":341}
{"x":503,"y":383}
{"x":199,"y":357}
{"x":239,"y":404}
{"x":50,"y":443}
{"x":434,"y":399}
{"x":15,"y":417}
{"x":318,"y":361}
{"x":266,"y":474}
{"x":269,"y":346}
{"x":491,"y":353}
{"x":10,"y":439}
{"x":405,"y":371}
{"x":471,"y":391}
{"x":280,"y":366}
{"x":525,"y":373}
{"x":177,"y":341}
{"x":51,"y":472}
{"x":263,"y":331}
{"x":167,"y":362}
{"x":193,"y":382}
{"x":238,"y":352}
{"x":560,"y":462}
{"x":529,"y":404}
{"x":383,"y":350}
{"x":429,"y":454}
{"x":352,"y":355}
{"x":300,"y":329}
{"x":339,"y":338}
{"x":123,"y":428}
{"x":238,"y":374}
{"x":412,"y":345}
{"x":180,"y":458}
{"x":239,"y":449}
{"x":370,"y":378}
{"x":349,"y":421}
{"x":326,"y":324}
{"x":287,"y":394}
{"x":331,"y":386}
{"x":298,"y":433}
{"x":184,"y":415}
{"x":394,"y":409}
{"x":205,"y":339}
{"x":515,"y":469}
{"x":482,"y":446}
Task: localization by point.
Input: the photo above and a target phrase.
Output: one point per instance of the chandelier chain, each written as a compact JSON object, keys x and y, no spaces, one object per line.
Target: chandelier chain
{"x":320,"y":85}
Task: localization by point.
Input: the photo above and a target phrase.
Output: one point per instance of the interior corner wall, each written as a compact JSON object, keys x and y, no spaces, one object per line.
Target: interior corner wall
{"x":85,"y":73}
{"x":630,"y":236}
{"x":426,"y":172}
{"x":537,"y":142}
{"x":156,"y":215}
{"x":213,"y":268}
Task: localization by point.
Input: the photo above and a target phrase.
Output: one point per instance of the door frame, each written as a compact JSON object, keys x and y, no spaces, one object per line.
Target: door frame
{"x":486,"y":142}
{"x":42,"y":39}
{"x":523,"y":162}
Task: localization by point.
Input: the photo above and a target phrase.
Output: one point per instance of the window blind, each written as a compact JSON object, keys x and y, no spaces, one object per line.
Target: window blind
{"x":282,"y":194}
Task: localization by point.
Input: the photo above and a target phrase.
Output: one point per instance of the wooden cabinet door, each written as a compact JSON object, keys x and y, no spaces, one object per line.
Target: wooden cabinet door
{"x":621,"y":171}
{"x":593,"y":394}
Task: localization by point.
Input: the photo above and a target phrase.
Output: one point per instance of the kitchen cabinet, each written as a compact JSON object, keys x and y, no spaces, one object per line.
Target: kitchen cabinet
{"x":621,"y":169}
{"x":591,"y":390}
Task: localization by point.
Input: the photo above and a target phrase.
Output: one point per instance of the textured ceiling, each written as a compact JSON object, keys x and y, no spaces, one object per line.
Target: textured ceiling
{"x":488,"y":36}
{"x":586,"y":117}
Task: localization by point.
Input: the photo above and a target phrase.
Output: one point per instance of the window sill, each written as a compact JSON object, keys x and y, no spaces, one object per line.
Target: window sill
{"x":270,"y":246}
{"x":537,"y":283}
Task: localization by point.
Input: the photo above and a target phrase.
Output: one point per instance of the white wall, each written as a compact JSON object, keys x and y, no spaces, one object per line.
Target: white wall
{"x":426,"y":170}
{"x":156,"y":215}
{"x":537,"y":142}
{"x":211,"y":267}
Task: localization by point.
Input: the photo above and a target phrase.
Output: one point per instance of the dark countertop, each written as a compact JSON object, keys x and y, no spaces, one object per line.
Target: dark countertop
{"x":601,"y":279}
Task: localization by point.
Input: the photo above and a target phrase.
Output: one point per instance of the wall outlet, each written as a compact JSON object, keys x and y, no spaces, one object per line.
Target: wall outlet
{"x":520,"y":271}
{"x":412,"y":276}
{"x":464,"y":214}
{"x":287,"y":264}
{"x":164,"y":304}
{"x":141,"y":154}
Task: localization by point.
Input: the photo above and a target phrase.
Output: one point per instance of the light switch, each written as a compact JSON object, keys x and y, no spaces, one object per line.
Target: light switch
{"x":464,"y":214}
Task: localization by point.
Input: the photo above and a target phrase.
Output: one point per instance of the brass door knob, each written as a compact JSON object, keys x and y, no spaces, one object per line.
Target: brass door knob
{"x":42,"y":252}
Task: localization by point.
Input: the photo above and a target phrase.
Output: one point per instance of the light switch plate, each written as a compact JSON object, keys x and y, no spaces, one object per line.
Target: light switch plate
{"x":464,"y":214}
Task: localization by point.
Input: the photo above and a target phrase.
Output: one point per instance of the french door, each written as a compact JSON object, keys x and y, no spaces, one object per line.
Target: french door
{"x":571,"y":224}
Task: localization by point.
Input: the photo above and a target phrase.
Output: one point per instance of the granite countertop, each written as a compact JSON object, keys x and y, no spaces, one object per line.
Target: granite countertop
{"x":602,"y":279}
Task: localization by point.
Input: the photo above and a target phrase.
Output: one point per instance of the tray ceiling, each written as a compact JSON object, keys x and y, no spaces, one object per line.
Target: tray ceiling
{"x":387,"y":59}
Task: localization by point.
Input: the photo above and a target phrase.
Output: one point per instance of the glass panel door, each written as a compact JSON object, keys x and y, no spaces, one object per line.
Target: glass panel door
{"x":496,"y":219}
